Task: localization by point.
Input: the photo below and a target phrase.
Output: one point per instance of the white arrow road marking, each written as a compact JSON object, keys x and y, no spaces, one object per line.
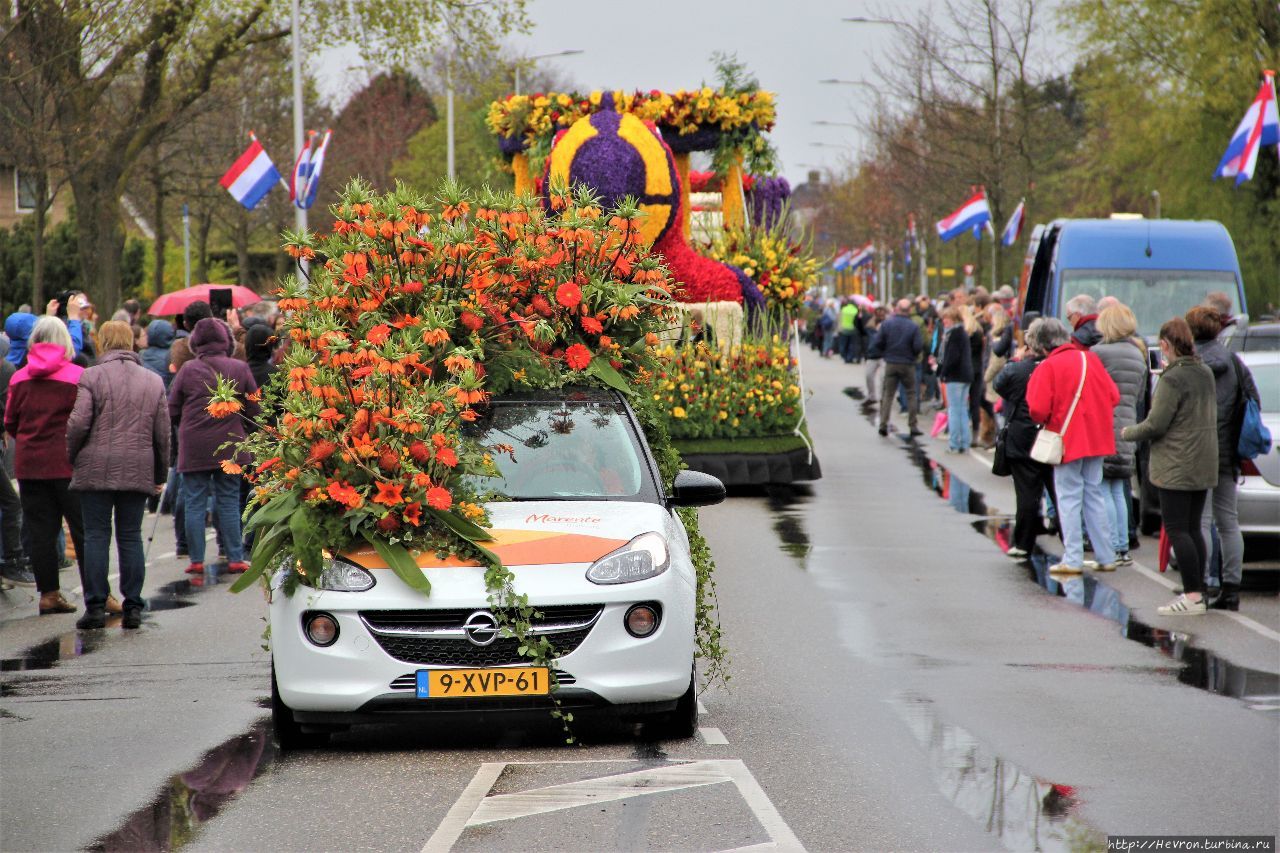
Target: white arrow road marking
{"x":473,"y":808}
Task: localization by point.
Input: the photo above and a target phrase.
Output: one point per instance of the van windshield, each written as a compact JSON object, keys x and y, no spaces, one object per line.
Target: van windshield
{"x":1154,"y":295}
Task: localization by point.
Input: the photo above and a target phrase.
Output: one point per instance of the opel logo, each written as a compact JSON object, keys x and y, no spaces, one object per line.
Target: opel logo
{"x":481,"y":628}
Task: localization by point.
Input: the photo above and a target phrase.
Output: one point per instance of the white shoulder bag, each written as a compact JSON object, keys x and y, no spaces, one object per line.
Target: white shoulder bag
{"x":1048,"y":445}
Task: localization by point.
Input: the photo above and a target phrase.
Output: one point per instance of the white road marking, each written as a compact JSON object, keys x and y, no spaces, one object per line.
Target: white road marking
{"x":713,"y":737}
{"x":1155,"y":576}
{"x":1169,"y":584}
{"x":442,"y":840}
{"x":167,"y":555}
{"x":474,"y":808}
{"x":702,"y":709}
{"x":1264,"y":707}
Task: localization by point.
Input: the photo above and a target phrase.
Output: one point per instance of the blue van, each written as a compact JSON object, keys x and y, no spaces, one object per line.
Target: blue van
{"x":1160,"y":268}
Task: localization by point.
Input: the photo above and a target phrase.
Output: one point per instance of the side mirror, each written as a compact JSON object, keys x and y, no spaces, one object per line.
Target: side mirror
{"x":694,"y":488}
{"x":1028,"y":317}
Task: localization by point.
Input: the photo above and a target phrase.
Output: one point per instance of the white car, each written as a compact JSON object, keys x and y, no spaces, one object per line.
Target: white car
{"x":591,"y":539}
{"x":1258,"y":495}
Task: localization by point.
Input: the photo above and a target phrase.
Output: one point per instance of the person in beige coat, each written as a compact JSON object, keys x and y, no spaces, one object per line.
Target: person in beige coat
{"x":1182,"y":428}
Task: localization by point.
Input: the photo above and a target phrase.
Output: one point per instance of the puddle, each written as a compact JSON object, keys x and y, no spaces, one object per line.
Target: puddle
{"x":1197,"y":668}
{"x":49,"y":654}
{"x":787,"y":505}
{"x":195,"y":796}
{"x":1020,"y":810}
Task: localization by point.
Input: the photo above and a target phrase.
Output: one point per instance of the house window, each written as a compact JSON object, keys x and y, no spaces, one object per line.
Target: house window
{"x":24,"y":185}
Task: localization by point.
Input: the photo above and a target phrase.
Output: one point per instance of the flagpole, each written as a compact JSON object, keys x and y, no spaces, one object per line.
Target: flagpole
{"x":299,"y":213}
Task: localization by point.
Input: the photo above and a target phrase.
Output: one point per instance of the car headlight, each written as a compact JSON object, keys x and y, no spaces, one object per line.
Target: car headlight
{"x":644,"y":557}
{"x":340,"y":576}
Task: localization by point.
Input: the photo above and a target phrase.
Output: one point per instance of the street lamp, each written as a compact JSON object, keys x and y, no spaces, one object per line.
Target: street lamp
{"x":860,"y":19}
{"x":531,"y":59}
{"x":835,"y":81}
{"x":825,"y":123}
{"x":830,"y":145}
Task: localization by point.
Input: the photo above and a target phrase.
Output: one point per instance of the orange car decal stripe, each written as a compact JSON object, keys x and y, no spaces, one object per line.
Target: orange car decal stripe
{"x":514,"y":548}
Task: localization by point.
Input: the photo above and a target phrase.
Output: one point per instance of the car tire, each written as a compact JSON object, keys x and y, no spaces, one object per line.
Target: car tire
{"x":678,"y":724}
{"x":289,"y":734}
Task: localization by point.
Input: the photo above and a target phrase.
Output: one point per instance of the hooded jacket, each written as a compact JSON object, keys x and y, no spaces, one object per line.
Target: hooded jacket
{"x":200,"y":435}
{"x":118,"y":433}
{"x":1227,"y":392}
{"x":1086,"y":331}
{"x":1126,"y":364}
{"x":18,"y":327}
{"x":1052,"y":388}
{"x":41,"y":397}
{"x":1182,"y":427}
{"x":1011,"y":384}
{"x":156,"y":356}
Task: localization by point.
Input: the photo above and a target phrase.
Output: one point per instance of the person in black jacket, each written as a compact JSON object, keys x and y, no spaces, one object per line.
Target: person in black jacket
{"x":955,"y":370}
{"x":1031,"y":479}
{"x":900,"y":343}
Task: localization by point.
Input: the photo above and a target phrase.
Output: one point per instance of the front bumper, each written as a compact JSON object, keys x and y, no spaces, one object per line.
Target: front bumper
{"x":356,"y":679}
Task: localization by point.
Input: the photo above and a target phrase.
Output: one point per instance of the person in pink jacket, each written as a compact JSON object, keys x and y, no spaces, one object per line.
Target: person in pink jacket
{"x":1088,"y":439}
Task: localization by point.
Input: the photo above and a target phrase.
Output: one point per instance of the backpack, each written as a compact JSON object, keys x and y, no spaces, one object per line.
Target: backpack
{"x":1254,"y":437}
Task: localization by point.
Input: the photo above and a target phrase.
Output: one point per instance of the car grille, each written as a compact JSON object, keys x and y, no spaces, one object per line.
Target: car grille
{"x":436,"y":637}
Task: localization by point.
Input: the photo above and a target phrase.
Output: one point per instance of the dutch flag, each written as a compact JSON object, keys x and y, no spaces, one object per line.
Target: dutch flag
{"x":842,"y":260}
{"x":971,"y":215}
{"x":308,"y":196}
{"x":252,"y":176}
{"x":301,"y":171}
{"x":862,"y":257}
{"x":1013,"y":230}
{"x":1259,"y":127}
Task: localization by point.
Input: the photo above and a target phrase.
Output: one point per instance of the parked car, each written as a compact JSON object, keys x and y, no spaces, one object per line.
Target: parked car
{"x":1260,"y":337}
{"x":1259,"y":491}
{"x":594,"y":542}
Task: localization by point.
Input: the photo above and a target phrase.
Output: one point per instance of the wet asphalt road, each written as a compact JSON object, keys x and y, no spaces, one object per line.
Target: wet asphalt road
{"x":897,"y":683}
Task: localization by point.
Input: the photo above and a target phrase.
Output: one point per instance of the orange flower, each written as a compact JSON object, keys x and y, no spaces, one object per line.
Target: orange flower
{"x":229,"y":467}
{"x":577,"y":357}
{"x":446,"y":457}
{"x":389,"y":494}
{"x":413,"y":513}
{"x":569,"y":294}
{"x":438,"y":498}
{"x":592,"y":325}
{"x":223,"y":408}
{"x":435,"y":337}
{"x":378,"y":334}
{"x":344,"y":494}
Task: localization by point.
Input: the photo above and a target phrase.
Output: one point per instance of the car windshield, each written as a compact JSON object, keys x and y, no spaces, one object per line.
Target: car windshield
{"x":1154,"y":295}
{"x":574,"y":450}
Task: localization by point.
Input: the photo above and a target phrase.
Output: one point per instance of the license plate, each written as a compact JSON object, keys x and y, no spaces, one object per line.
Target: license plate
{"x":469,"y":683}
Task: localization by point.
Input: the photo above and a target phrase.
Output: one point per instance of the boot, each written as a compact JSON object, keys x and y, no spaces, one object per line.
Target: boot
{"x":986,"y":430}
{"x":132,"y":617}
{"x":93,"y":619}
{"x":1228,"y":598}
{"x":53,"y":602}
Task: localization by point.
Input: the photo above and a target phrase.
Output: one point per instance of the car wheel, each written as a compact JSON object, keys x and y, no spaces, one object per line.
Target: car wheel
{"x":289,"y":734}
{"x":678,"y":724}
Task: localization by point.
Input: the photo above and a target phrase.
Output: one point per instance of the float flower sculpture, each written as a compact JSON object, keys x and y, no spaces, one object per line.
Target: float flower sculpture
{"x":420,"y":313}
{"x":783,"y":268}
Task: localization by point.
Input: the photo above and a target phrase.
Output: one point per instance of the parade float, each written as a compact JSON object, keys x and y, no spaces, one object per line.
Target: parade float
{"x":729,"y":386}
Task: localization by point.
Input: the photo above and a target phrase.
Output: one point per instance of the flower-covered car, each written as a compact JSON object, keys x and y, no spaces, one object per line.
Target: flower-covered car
{"x":595,"y":545}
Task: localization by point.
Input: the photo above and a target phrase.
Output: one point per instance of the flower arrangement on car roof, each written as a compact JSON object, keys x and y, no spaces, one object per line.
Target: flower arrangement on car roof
{"x":415,"y":313}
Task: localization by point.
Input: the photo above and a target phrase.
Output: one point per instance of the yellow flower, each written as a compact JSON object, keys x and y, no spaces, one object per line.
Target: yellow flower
{"x":678,"y":412}
{"x":595,"y":97}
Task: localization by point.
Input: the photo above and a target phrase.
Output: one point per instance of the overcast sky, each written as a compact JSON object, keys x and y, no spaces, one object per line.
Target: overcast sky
{"x":666,"y":44}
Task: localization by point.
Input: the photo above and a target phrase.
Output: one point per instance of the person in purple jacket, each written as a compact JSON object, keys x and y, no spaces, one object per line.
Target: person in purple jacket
{"x":41,"y":397}
{"x":203,"y":440}
{"x":118,"y":443}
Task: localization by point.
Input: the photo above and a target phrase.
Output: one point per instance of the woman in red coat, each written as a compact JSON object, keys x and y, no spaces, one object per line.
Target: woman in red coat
{"x":1088,"y":438}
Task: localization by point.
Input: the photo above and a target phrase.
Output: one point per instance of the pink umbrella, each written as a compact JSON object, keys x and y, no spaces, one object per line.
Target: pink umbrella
{"x":864,"y":301}
{"x":176,"y":302}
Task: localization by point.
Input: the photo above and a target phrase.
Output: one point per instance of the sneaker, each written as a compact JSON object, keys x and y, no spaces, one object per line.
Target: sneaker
{"x":182,"y":551}
{"x":237,"y":567}
{"x":1064,"y":569}
{"x":132,"y":618}
{"x":18,"y":574}
{"x":1016,"y":553}
{"x":1182,"y":606}
{"x":1105,"y":567}
{"x":1124,"y":559}
{"x":92,"y":620}
{"x":883,"y":430}
{"x":195,"y":569}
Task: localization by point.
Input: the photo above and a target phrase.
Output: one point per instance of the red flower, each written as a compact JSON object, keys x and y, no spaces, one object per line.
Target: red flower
{"x":438,"y":498}
{"x":592,"y":325}
{"x":413,"y":513}
{"x":389,"y":523}
{"x":378,"y":334}
{"x":446,"y":457}
{"x":389,"y":495}
{"x":420,"y":452}
{"x":345,"y":495}
{"x":577,"y":357}
{"x":471,"y":321}
{"x":568,"y":294}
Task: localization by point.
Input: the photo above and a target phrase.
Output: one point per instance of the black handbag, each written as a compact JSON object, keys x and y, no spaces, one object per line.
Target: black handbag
{"x":1000,"y":460}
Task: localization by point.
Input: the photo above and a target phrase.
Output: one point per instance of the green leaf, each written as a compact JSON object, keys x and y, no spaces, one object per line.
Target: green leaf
{"x":305,"y":546}
{"x":398,"y":558}
{"x":267,"y":547}
{"x":279,"y":507}
{"x":604,"y":371}
{"x":465,"y":528}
